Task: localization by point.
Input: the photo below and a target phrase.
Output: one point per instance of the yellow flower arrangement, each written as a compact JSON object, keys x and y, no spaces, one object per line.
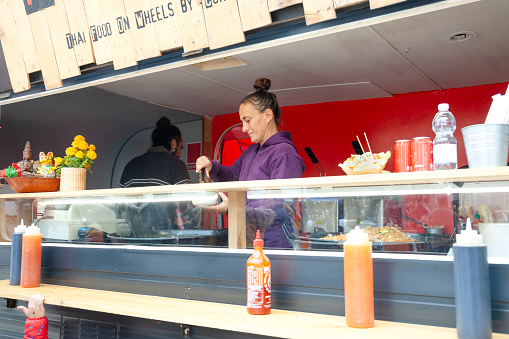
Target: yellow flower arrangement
{"x":80,"y":154}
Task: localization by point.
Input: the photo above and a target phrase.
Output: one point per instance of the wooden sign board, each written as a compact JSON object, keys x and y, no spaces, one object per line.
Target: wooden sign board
{"x":142,"y":18}
{"x":222,"y":19}
{"x":59,"y":30}
{"x":12,"y":50}
{"x":100,"y":30}
{"x":121,"y":45}
{"x":278,"y":4}
{"x":254,"y":14}
{"x":318,"y":10}
{"x":192,"y":25}
{"x":26,"y":39}
{"x":45,"y":50}
{"x":344,"y":3}
{"x":373,"y":4}
{"x":167,"y":29}
{"x":79,"y":35}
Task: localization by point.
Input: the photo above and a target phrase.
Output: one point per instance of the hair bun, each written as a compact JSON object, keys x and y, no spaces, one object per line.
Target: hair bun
{"x":163,"y":122}
{"x":262,"y":84}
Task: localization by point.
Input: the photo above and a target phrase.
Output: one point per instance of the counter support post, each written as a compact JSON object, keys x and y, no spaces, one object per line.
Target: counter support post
{"x":237,"y":219}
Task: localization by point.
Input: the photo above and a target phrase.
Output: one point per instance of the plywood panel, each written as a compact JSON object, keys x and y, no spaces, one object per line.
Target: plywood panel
{"x":318,"y":10}
{"x":192,"y":25}
{"x":228,"y":317}
{"x":121,"y":46}
{"x":278,"y":4}
{"x":60,"y":32}
{"x":26,"y":39}
{"x":100,"y":31}
{"x":79,"y":36}
{"x":344,"y":3}
{"x":168,"y":29}
{"x":223,"y":23}
{"x":142,"y":18}
{"x":12,"y":50}
{"x":382,"y":3}
{"x":45,"y":52}
{"x":254,"y":14}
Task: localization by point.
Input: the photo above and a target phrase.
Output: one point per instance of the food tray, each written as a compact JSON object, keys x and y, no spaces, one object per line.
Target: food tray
{"x":427,"y":243}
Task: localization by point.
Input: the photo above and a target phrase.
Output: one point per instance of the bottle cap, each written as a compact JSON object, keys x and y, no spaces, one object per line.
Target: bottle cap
{"x":258,"y":242}
{"x":469,"y":236}
{"x":357,"y":235}
{"x":443,"y":107}
{"x":21,"y":228}
{"x":32,"y":229}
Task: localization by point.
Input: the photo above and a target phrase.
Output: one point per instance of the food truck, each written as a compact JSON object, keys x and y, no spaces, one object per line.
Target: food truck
{"x":343,"y":70}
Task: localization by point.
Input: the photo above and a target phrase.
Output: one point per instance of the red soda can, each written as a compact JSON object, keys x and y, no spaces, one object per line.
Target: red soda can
{"x":403,"y":156}
{"x":422,"y":154}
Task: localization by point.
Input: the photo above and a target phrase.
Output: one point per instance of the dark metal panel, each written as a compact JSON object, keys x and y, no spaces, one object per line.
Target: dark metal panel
{"x":5,"y":81}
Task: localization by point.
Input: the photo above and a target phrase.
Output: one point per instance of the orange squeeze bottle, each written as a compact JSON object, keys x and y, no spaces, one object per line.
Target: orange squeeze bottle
{"x":358,"y":275}
{"x":258,"y":280}
{"x":31,"y":257}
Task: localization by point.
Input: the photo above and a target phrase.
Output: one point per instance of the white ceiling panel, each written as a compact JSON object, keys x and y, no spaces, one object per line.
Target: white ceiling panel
{"x":477,"y":61}
{"x":339,"y":92}
{"x":182,"y":90}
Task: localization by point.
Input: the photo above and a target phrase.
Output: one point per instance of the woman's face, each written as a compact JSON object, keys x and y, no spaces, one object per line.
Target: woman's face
{"x":254,"y":123}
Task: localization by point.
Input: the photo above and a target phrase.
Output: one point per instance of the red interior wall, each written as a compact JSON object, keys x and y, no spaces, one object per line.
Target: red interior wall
{"x":329,"y":128}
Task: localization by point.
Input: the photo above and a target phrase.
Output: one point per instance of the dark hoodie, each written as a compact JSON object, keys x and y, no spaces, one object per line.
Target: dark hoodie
{"x":277,"y":158}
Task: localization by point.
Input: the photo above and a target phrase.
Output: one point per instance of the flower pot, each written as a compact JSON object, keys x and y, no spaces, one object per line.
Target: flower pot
{"x":73,"y":179}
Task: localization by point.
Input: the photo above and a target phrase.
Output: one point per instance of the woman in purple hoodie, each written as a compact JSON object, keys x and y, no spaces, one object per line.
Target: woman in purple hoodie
{"x":271,"y":156}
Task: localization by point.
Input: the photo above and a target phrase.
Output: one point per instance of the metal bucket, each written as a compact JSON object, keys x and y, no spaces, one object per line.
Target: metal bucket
{"x":486,"y":145}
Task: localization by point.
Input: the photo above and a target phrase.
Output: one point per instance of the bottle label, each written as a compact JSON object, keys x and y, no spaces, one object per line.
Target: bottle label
{"x":445,"y":153}
{"x":258,"y":282}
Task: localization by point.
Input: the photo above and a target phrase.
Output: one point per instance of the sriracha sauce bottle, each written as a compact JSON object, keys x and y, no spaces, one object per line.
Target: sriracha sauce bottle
{"x":258,"y":280}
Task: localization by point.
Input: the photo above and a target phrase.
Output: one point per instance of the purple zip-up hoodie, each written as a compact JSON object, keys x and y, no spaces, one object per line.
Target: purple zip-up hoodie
{"x":277,"y":158}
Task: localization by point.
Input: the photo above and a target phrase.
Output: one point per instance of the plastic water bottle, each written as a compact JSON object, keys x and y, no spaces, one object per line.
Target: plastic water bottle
{"x":445,"y":146}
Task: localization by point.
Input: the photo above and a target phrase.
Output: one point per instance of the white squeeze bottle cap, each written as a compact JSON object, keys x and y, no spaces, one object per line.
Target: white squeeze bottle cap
{"x":32,"y":229}
{"x":469,"y":236}
{"x":357,"y":235}
{"x":443,"y":107}
{"x":21,"y":228}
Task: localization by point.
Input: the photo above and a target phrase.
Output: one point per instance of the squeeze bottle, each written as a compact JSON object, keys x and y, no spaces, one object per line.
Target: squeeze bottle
{"x":258,"y":280}
{"x":31,"y":257}
{"x":472,"y":285}
{"x":16,"y":249}
{"x":358,"y":276}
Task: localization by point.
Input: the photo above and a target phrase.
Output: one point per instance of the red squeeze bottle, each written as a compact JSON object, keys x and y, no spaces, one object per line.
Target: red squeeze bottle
{"x":258,"y":280}
{"x":31,"y":257}
{"x":358,"y":275}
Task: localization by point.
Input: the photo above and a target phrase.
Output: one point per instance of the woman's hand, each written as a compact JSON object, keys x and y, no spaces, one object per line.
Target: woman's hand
{"x":203,"y":162}
{"x":35,"y":307}
{"x":222,"y":208}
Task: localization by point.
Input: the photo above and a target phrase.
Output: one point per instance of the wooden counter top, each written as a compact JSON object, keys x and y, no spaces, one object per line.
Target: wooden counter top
{"x":460,"y":175}
{"x":280,"y":323}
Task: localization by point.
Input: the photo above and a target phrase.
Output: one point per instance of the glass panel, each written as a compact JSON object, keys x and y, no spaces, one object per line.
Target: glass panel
{"x":155,"y":219}
{"x":404,"y":218}
{"x":420,"y":218}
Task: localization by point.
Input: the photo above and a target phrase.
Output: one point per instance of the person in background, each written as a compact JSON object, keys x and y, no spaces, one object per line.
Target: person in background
{"x":271,"y":156}
{"x":36,"y":325}
{"x":160,"y":165}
